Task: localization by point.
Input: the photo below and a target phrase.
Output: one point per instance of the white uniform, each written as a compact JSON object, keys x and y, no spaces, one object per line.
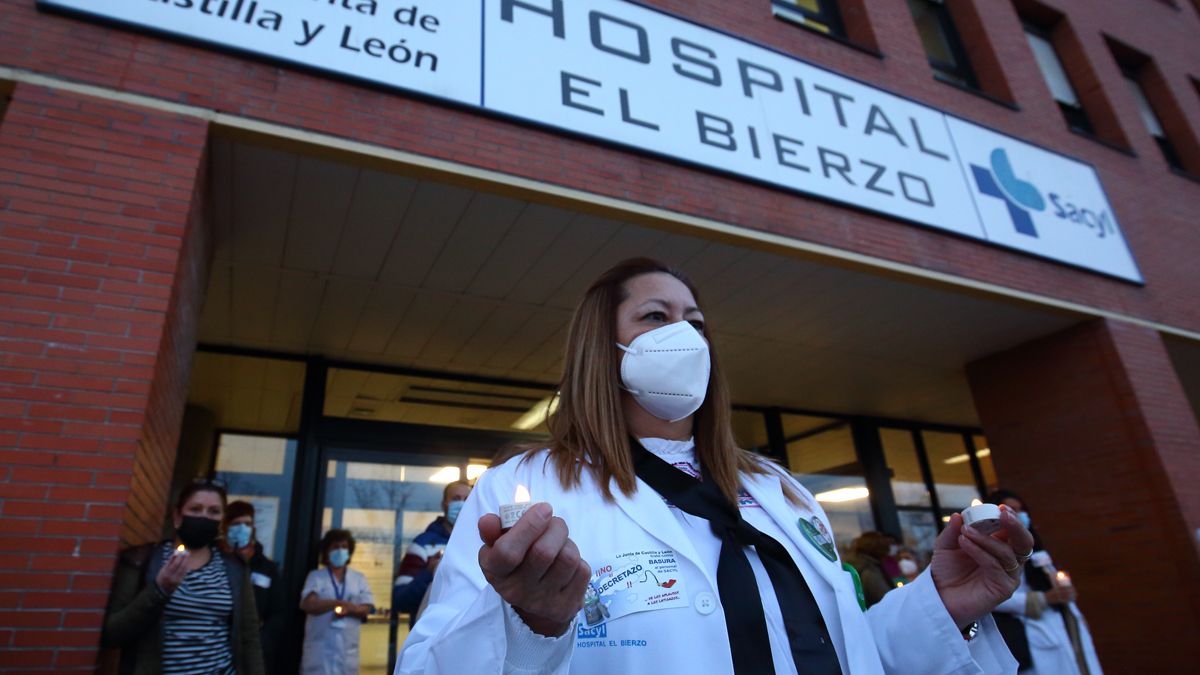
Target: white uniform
{"x":331,"y":644}
{"x":467,"y":628}
{"x":1049,"y":643}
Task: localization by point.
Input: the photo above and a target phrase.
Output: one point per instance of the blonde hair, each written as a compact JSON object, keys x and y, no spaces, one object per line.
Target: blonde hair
{"x":588,"y":432}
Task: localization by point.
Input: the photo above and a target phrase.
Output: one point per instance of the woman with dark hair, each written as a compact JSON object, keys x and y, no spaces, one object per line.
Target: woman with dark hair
{"x":182,"y":606}
{"x":662,"y":547}
{"x":337,"y":601}
{"x":269,"y":595}
{"x":1042,"y":625}
{"x":869,"y":551}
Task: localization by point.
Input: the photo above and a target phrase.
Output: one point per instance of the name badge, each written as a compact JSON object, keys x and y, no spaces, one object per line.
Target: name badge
{"x":636,"y":581}
{"x":260,"y":580}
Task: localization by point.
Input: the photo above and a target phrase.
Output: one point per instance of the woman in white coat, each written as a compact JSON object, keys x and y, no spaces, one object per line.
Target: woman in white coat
{"x":1043,"y":626}
{"x":663,"y":548}
{"x":337,"y":601}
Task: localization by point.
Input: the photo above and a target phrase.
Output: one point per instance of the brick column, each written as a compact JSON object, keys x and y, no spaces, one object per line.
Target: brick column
{"x":1092,"y":427}
{"x":102,"y":262}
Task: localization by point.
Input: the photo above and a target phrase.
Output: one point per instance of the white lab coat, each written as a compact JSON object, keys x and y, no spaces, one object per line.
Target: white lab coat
{"x":331,"y":645}
{"x":1049,"y":643}
{"x":464,"y":628}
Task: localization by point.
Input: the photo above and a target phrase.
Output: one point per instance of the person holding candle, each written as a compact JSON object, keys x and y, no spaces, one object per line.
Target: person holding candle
{"x":183,"y":606}
{"x":1043,"y":627}
{"x":337,"y":601}
{"x":655,"y":545}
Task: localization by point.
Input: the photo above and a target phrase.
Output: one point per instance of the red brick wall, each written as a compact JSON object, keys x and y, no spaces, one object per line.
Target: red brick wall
{"x":95,"y":202}
{"x":1092,"y":427}
{"x":1155,"y":207}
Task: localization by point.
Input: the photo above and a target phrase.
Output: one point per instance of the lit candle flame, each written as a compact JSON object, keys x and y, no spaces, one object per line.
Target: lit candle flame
{"x":338,"y":610}
{"x":976,"y":502}
{"x":521,"y":496}
{"x":1062,"y":576}
{"x":181,"y":549}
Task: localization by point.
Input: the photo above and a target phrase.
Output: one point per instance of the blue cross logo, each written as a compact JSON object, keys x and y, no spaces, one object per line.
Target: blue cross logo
{"x":1020,"y":196}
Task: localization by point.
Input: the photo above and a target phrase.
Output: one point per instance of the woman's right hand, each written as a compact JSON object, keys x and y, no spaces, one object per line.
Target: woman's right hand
{"x":536,"y":568}
{"x":172,"y":573}
{"x":1060,"y":595}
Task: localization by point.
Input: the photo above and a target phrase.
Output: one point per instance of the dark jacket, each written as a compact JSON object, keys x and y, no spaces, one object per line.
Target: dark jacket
{"x":874,"y":581}
{"x":134,"y":620}
{"x":271,"y":601}
{"x":414,"y":575}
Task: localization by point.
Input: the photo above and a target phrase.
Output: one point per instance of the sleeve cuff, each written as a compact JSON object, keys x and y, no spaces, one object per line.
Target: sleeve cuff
{"x":528,"y":652}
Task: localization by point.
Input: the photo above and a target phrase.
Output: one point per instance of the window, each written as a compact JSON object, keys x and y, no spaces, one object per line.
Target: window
{"x":1146,"y":111}
{"x":819,"y":15}
{"x":821,"y":452}
{"x":943,"y":47}
{"x":1056,"y":78}
{"x":259,"y":469}
{"x":933,"y":475}
{"x":1160,"y":113}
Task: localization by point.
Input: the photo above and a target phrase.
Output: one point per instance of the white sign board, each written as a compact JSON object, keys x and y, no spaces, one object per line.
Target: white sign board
{"x":634,"y":76}
{"x":429,"y":47}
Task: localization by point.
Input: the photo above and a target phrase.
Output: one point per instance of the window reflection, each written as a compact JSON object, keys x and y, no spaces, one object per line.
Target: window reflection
{"x":951,"y":466}
{"x":258,"y":469}
{"x":820,"y":451}
{"x":900,"y":453}
{"x":984,"y":453}
{"x":385,"y":506}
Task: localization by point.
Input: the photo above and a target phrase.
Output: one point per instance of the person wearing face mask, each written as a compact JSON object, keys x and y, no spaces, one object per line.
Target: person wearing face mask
{"x":337,"y":601}
{"x":871,"y":548}
{"x":269,"y":595}
{"x":653,"y":544}
{"x":1043,"y":627}
{"x":907,"y":566}
{"x":183,"y":606}
{"x":425,"y":553}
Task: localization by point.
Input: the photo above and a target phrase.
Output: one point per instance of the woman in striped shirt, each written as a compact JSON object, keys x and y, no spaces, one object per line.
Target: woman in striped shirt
{"x":182,"y":606}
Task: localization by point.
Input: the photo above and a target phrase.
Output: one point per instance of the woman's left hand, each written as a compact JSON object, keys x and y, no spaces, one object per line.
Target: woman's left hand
{"x":975,"y":572}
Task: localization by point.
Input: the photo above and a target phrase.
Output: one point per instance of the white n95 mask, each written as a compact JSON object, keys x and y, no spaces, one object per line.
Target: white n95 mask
{"x":666,"y":370}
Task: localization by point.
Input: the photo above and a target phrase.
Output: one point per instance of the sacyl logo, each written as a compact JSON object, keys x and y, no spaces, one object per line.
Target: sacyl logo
{"x":1021,"y":197}
{"x":583,"y":632}
{"x":1017,"y":194}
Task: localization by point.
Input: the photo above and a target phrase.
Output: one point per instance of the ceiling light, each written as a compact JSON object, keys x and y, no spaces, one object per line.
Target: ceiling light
{"x":959,"y":459}
{"x":535,"y":416}
{"x":446,"y":474}
{"x":846,"y":494}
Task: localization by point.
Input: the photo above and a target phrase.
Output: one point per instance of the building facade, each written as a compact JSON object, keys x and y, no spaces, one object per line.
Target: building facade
{"x":326,"y":251}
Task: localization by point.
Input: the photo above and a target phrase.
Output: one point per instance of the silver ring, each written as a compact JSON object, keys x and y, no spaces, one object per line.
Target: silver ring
{"x":1025,"y":558}
{"x":1016,"y":566}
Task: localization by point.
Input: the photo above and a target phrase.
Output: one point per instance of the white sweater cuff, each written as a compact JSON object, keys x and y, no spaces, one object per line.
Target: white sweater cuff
{"x":528,"y":652}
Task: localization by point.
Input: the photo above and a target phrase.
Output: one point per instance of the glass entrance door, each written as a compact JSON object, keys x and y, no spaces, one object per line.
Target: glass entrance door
{"x":385,"y":501}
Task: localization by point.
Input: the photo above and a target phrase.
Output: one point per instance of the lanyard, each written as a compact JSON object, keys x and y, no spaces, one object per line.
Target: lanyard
{"x":340,"y":593}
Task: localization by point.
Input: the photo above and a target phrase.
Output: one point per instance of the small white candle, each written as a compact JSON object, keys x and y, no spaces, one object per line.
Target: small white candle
{"x":181,"y":550}
{"x":985,"y":518}
{"x":511,"y":513}
{"x":1063,"y":578}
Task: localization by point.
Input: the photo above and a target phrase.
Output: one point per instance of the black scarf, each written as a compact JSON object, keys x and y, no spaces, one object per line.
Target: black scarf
{"x":811,"y":647}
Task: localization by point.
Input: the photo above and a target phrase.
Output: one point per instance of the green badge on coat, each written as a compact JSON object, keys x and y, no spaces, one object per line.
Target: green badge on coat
{"x":816,"y":534}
